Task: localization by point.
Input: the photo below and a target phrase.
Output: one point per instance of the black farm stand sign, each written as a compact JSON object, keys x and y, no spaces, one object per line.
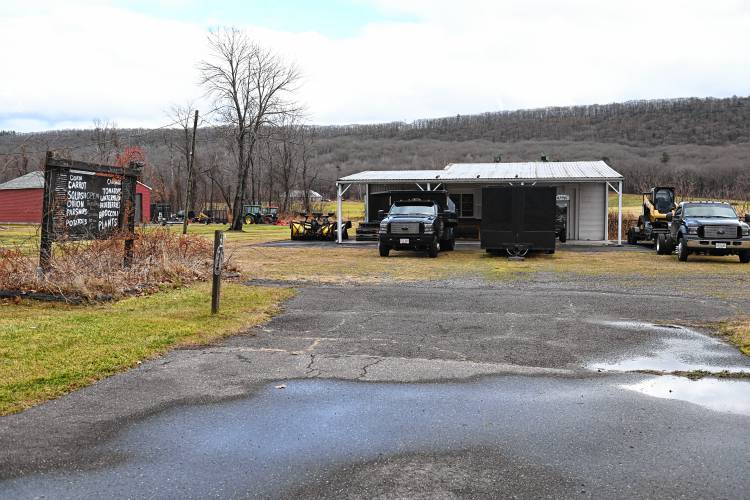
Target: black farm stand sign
{"x":86,"y":201}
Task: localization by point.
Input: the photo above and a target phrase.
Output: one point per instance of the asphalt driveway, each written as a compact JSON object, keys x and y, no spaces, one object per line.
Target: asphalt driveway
{"x":442,"y":389}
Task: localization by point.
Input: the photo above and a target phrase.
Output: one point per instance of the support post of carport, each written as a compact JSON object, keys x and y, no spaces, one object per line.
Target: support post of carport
{"x":619,"y":214}
{"x":339,"y":218}
{"x":340,"y":190}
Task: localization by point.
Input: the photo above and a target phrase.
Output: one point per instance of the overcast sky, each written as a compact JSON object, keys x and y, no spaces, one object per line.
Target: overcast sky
{"x":66,"y":63}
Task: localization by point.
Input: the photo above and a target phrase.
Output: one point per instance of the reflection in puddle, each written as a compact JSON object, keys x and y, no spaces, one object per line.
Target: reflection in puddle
{"x":730,"y":396}
{"x":675,"y":348}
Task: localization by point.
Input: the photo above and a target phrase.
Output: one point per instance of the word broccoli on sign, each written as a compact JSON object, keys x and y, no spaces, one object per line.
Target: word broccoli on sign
{"x":86,"y":201}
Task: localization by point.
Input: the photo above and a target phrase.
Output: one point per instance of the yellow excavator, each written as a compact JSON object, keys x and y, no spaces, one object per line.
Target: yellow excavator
{"x":652,"y":223}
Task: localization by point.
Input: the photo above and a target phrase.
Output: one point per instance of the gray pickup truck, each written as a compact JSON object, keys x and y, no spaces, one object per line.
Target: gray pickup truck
{"x":709,"y":228}
{"x":416,"y":225}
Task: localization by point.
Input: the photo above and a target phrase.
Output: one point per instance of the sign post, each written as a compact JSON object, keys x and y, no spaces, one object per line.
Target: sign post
{"x":86,"y":201}
{"x":218,"y":264}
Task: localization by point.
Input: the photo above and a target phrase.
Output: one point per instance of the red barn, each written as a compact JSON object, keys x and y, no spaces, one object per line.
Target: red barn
{"x":21,"y":200}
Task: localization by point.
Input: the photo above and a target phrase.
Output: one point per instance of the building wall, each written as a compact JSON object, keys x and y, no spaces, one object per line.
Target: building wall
{"x":591,"y":211}
{"x":21,"y":205}
{"x":146,"y":202}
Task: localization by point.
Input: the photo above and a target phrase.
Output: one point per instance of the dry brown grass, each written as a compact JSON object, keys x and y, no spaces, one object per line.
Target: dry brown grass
{"x":737,"y":331}
{"x":95,"y":269}
{"x":335,"y":264}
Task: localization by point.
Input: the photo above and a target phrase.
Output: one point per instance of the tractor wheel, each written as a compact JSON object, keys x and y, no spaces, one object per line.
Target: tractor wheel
{"x":744,"y":256}
{"x":682,"y":250}
{"x":384,"y":250}
{"x":434,"y":249}
{"x":249,"y":219}
{"x":632,"y":240}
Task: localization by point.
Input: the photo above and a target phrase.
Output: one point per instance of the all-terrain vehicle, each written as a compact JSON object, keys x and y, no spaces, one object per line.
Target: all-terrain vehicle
{"x":708,"y":228}
{"x":416,"y":225}
{"x":652,"y":223}
{"x":319,"y":226}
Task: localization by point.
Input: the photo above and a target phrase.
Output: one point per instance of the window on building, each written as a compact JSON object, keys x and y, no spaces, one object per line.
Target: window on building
{"x":464,"y":204}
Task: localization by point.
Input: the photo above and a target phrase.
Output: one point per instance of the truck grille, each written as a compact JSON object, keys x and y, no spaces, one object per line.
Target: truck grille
{"x":404,"y":227}
{"x":719,"y":232}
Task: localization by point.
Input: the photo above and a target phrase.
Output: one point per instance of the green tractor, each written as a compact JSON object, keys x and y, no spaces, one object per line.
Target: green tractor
{"x":257,"y":214}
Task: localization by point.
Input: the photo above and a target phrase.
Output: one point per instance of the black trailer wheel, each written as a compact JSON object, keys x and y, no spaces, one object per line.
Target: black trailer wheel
{"x":662,"y":247}
{"x":434,"y":249}
{"x":744,"y":256}
{"x":682,"y":250}
{"x":384,"y":250}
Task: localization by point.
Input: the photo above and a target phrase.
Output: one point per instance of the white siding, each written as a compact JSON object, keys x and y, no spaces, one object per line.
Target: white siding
{"x":591,"y":211}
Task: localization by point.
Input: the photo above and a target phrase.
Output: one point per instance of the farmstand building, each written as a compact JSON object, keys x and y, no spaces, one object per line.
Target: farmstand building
{"x":586,"y":183}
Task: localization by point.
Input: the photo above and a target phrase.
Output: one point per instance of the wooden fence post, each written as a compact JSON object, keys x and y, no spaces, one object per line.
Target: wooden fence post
{"x":218,"y":264}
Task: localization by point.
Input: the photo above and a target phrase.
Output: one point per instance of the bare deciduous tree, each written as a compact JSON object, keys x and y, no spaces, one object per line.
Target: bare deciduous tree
{"x":252,"y":89}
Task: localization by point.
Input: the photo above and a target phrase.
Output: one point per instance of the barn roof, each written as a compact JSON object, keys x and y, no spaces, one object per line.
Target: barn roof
{"x":34,"y":180}
{"x":569,"y":171}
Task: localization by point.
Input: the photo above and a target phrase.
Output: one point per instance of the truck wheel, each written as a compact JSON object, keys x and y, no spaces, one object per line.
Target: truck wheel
{"x":563,"y":237}
{"x":384,"y":250}
{"x":662,"y":248}
{"x":682,"y":250}
{"x":744,"y":256}
{"x":432,"y":252}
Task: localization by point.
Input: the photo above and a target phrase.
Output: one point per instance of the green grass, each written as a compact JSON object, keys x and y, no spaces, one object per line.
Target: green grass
{"x":47,"y":349}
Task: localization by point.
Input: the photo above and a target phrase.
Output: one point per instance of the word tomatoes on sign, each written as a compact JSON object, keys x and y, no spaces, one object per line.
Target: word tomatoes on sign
{"x":86,"y":201}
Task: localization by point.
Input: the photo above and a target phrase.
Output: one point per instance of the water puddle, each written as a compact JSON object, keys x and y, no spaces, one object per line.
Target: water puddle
{"x":673,"y":348}
{"x":280,"y":439}
{"x":729,"y":396}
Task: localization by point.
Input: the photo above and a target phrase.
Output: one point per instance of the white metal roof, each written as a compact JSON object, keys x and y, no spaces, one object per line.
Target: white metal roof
{"x":393,"y":175}
{"x":569,"y":171}
{"x":32,"y":180}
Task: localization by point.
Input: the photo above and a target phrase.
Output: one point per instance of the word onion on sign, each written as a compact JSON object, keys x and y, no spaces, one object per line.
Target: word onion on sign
{"x":86,"y":201}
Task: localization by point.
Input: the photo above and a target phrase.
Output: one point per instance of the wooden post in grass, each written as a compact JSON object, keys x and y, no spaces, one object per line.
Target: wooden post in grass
{"x":218,"y":264}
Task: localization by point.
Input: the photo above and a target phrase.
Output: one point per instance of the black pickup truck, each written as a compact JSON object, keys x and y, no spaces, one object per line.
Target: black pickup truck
{"x":416,"y":225}
{"x":709,"y":228}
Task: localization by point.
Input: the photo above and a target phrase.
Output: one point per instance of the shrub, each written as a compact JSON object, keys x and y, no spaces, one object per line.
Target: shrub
{"x":94,"y":269}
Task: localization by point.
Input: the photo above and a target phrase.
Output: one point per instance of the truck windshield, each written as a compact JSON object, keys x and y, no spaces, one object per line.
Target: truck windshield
{"x":723,"y":211}
{"x":413,"y":210}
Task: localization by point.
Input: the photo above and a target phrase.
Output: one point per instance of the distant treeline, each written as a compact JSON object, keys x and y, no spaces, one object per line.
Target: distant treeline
{"x":701,"y":146}
{"x":655,"y":122}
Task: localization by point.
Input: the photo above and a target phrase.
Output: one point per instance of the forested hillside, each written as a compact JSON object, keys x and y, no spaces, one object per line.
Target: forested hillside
{"x":702,"y":146}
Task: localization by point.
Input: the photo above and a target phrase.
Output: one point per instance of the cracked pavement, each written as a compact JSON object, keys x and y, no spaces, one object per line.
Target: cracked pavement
{"x":371,"y":369}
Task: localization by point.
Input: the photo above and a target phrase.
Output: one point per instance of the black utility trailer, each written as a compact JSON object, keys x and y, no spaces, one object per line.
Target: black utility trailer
{"x":518,"y":219}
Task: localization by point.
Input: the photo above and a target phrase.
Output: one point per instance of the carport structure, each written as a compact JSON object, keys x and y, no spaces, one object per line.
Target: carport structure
{"x":586,"y":184}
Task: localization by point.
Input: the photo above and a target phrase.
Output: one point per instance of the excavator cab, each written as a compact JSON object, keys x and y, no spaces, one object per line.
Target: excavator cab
{"x":652,"y":225}
{"x":661,"y":199}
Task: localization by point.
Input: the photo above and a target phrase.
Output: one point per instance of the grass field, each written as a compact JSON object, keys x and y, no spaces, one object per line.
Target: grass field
{"x":336,"y":264}
{"x":49,"y":349}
